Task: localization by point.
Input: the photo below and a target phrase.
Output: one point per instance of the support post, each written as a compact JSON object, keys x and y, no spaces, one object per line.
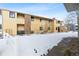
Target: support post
{"x":78,"y":19}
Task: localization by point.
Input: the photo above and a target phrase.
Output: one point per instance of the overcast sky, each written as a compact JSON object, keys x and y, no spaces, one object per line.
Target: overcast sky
{"x":49,"y":10}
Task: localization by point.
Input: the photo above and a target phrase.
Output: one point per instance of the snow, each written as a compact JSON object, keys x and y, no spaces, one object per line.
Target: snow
{"x":27,"y":45}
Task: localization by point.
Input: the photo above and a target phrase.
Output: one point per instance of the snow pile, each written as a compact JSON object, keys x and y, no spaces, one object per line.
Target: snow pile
{"x":35,"y":44}
{"x":8,"y":44}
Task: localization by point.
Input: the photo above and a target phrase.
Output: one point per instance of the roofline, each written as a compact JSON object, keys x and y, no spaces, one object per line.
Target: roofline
{"x":71,"y":6}
{"x":30,"y":14}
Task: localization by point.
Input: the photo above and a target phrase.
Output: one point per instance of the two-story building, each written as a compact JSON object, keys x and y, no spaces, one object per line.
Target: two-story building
{"x":16,"y":23}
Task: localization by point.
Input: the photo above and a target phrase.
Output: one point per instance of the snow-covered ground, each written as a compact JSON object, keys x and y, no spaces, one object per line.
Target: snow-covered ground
{"x":25,"y":45}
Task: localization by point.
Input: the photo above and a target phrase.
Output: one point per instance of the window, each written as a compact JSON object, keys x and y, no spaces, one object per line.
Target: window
{"x":41,"y":28}
{"x":12,"y":14}
{"x":58,"y":29}
{"x":32,"y":18}
{"x":32,"y":32}
{"x":58,"y":21}
{"x":40,"y":20}
{"x":21,"y":32}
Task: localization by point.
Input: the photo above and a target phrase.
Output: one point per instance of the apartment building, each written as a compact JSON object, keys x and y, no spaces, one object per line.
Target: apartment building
{"x":61,"y":27}
{"x":16,"y":23}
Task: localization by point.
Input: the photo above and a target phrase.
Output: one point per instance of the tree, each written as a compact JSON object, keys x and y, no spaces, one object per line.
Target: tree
{"x":71,"y":21}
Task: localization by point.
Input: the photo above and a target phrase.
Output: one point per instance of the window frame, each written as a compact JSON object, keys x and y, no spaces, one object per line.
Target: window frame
{"x":41,"y":28}
{"x":32,"y":18}
{"x":40,"y":20}
{"x":56,"y":28}
{"x":20,"y":32}
{"x":11,"y":14}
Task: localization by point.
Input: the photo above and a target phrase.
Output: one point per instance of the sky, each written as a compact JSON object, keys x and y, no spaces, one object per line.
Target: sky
{"x":50,"y":10}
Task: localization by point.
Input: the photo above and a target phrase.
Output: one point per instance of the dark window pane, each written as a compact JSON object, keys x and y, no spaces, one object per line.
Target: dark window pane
{"x":40,"y":20}
{"x":56,"y":28}
{"x":20,"y":32}
{"x":32,"y":18}
{"x":12,"y":14}
{"x":48,"y":28}
{"x":41,"y":28}
{"x":32,"y":32}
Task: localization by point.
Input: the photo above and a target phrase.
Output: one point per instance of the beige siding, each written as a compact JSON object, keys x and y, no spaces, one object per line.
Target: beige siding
{"x":27,"y":24}
{"x":51,"y":26}
{"x":44,"y":24}
{"x":20,"y":19}
{"x":35,"y":25}
{"x":54,"y":24}
{"x":9,"y":24}
{"x":20,"y":27}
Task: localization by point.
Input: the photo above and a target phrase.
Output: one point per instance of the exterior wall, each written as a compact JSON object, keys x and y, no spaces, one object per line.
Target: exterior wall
{"x":54,"y":25}
{"x":9,"y":24}
{"x":20,"y":27}
{"x":44,"y":24}
{"x":62,"y":27}
{"x":20,"y":19}
{"x":20,"y":22}
{"x":35,"y":25}
{"x":27,"y":24}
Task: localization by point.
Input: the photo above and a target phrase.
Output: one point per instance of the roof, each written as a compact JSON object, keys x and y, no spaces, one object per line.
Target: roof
{"x":71,"y":6}
{"x":30,"y":14}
